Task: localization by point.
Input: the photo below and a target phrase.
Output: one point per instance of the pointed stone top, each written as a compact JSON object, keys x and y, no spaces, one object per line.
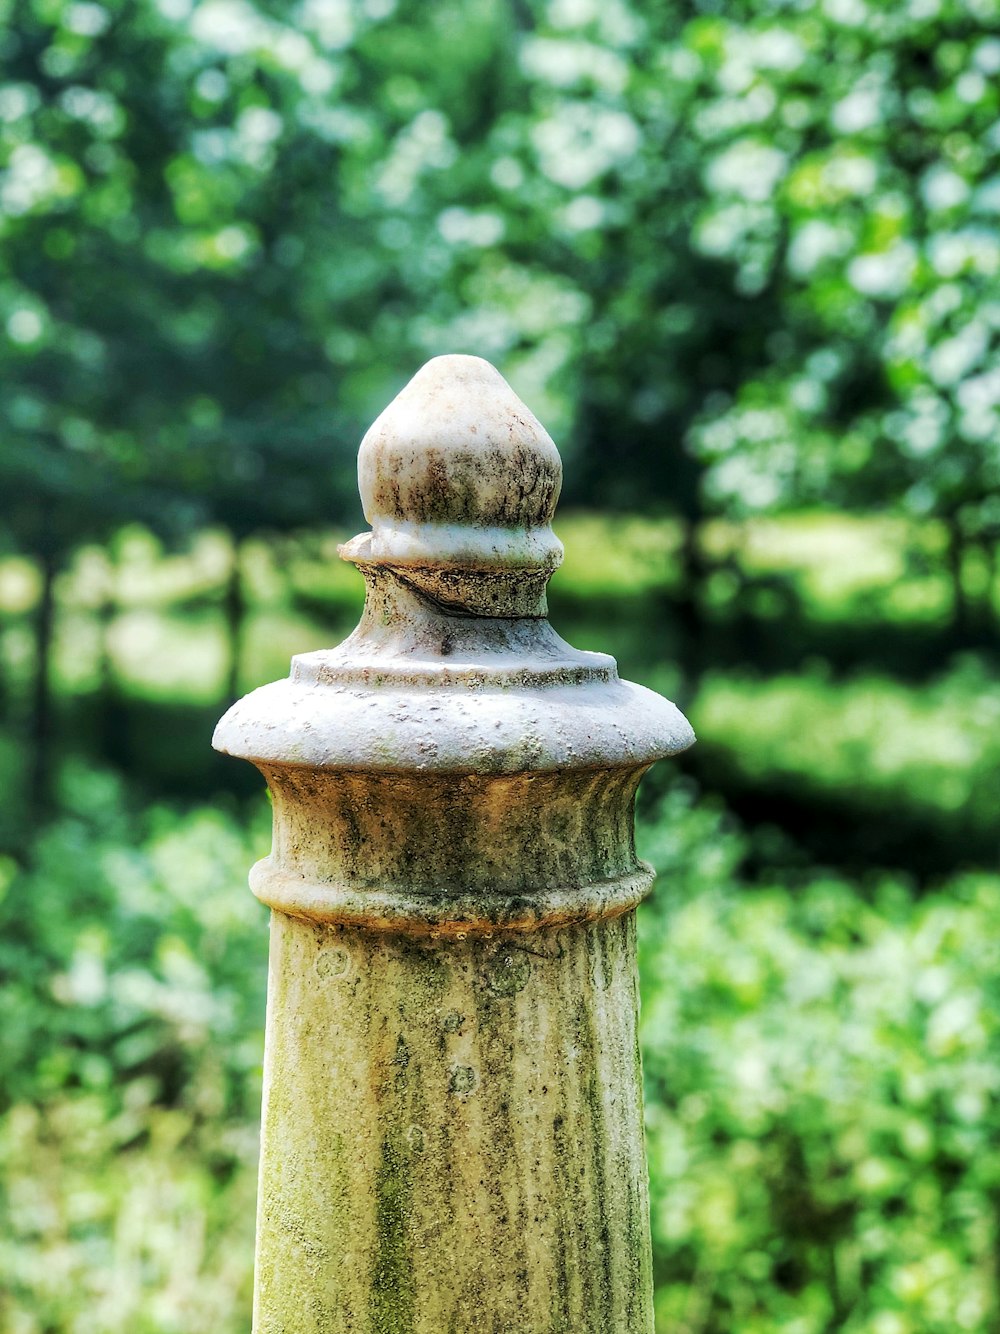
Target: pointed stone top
{"x":457,"y":473}
{"x":454,"y":667}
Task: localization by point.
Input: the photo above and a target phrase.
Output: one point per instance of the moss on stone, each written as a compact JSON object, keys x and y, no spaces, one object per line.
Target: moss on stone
{"x":392,"y":1307}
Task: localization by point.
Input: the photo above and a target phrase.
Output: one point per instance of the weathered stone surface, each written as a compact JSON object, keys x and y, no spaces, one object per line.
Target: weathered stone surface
{"x":452,"y":1132}
{"x":457,"y":471}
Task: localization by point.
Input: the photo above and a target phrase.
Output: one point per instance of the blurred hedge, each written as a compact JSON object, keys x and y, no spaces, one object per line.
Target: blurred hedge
{"x":822,"y":1067}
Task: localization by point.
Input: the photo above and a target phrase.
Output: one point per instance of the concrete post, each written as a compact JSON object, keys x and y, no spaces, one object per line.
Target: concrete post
{"x":452,"y":1127}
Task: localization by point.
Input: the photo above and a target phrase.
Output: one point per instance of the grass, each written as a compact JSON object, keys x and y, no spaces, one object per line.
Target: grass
{"x":166,"y":635}
{"x":868,"y":734}
{"x":873,"y":567}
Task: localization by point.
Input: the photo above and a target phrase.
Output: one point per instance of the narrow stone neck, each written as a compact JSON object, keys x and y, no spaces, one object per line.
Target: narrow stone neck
{"x":408,"y":637}
{"x":505,"y":590}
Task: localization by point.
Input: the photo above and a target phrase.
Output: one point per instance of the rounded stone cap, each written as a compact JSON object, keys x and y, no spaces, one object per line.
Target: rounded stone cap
{"x":453,"y":728}
{"x":458,"y":472}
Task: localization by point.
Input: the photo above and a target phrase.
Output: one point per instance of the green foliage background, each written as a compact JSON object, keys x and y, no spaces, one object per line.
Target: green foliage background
{"x":744,"y":260}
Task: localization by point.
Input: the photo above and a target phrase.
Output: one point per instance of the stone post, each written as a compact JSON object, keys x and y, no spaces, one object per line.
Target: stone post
{"x":452,"y":1125}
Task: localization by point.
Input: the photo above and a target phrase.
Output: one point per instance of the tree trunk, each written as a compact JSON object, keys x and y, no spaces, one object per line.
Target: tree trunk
{"x":6,"y":676}
{"x":109,"y":712}
{"x":955,"y":558}
{"x":40,"y":721}
{"x":694,"y":570}
{"x":986,"y":552}
{"x":234,"y":608}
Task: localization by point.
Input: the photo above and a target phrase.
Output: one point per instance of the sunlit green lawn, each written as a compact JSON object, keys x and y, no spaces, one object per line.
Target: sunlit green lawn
{"x":167,"y":638}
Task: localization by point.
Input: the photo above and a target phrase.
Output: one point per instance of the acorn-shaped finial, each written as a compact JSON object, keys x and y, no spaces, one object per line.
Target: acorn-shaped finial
{"x":457,"y":472}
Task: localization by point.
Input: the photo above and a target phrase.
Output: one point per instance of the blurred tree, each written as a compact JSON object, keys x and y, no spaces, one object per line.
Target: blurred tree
{"x":163,"y":359}
{"x":850,"y":157}
{"x":762,"y":244}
